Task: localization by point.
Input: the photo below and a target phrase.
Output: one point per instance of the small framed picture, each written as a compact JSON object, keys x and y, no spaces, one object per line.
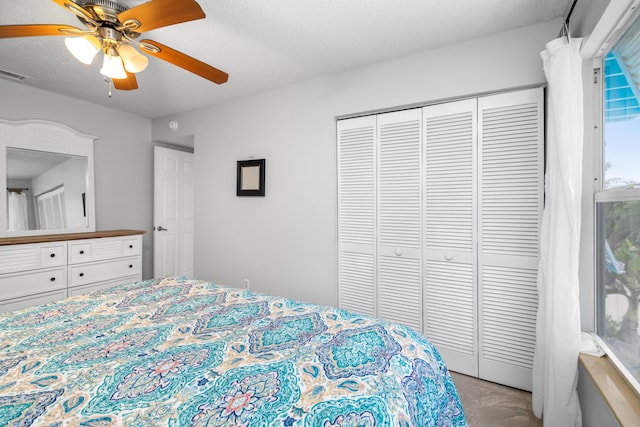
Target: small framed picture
{"x":250,"y":180}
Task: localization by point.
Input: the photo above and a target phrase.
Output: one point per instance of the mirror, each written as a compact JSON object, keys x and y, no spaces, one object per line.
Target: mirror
{"x":45,"y":191}
{"x":48,"y":178}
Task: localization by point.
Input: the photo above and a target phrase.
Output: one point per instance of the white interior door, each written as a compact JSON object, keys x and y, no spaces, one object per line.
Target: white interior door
{"x":357,"y":215}
{"x":450,"y":139}
{"x":173,"y":213}
{"x":511,"y":185}
{"x":399,"y":223}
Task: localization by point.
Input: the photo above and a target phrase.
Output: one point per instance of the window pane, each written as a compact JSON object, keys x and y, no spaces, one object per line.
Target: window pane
{"x":621,"y":153}
{"x":619,"y":280}
{"x":622,"y":111}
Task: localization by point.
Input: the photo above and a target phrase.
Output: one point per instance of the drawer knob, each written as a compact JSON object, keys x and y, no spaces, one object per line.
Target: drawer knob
{"x":130,"y":246}
{"x":130,"y":265}
{"x":52,"y":255}
{"x":53,"y":279}
{"x":81,"y":274}
{"x":81,"y":252}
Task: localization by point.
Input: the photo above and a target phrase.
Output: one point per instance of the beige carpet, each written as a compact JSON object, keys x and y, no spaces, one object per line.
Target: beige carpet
{"x":488,"y":404}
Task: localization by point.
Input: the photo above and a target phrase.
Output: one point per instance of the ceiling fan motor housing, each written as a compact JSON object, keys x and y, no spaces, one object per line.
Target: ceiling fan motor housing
{"x":109,"y":35}
{"x":103,"y":10}
{"x":100,"y":13}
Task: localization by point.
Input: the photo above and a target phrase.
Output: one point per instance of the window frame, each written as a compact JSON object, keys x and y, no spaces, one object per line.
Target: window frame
{"x":602,"y":195}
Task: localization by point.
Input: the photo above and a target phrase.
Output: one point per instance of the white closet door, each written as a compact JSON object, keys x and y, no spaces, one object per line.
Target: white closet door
{"x":356,"y":215}
{"x":399,"y":218}
{"x":511,"y":196}
{"x":450,"y":139}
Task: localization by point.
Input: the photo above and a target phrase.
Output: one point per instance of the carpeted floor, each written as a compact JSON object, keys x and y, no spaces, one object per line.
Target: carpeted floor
{"x":488,"y":404}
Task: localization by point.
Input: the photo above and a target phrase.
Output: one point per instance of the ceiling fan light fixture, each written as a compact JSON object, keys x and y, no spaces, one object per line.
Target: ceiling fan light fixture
{"x":133,"y":61}
{"x":112,"y":67}
{"x":83,"y":48}
{"x":113,"y":26}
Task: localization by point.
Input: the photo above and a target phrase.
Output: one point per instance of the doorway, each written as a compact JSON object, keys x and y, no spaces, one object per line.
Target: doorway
{"x":173,"y":211}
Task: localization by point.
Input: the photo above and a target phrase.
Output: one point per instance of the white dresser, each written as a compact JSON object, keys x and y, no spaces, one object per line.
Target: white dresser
{"x":40,"y":269}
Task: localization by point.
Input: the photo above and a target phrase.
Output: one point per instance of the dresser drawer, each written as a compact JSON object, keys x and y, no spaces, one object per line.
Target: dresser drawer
{"x":104,"y":248}
{"x":18,"y":285}
{"x":92,"y":287}
{"x":100,"y":271}
{"x":32,"y":300}
{"x":32,"y":256}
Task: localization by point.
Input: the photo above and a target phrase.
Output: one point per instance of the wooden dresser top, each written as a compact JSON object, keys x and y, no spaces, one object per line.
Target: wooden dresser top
{"x":4,"y":241}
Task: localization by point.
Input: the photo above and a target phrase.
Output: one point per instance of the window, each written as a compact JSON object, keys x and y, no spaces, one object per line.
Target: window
{"x":51,"y":209}
{"x":618,"y":207}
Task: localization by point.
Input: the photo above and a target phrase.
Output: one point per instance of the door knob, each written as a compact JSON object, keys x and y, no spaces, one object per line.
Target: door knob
{"x":161,"y":228}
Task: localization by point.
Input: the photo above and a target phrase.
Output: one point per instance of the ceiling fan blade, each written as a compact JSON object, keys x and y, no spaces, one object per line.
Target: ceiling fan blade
{"x":185,"y":61}
{"x":160,"y":13}
{"x":9,"y":31}
{"x":130,"y":83}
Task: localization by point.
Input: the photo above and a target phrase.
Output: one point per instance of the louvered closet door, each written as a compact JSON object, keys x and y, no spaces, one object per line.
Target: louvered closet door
{"x":511,"y":197}
{"x":399,"y":218}
{"x":356,"y":215}
{"x":450,"y":137}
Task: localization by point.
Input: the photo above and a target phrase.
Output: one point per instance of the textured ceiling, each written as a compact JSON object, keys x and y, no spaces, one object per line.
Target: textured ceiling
{"x":261,"y":44}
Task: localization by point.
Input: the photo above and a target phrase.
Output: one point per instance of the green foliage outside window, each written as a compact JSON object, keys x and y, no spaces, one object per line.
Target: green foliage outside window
{"x":621,"y":276}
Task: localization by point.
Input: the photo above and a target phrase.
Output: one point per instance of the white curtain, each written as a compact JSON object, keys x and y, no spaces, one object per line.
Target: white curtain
{"x":555,"y":366}
{"x":17,"y":211}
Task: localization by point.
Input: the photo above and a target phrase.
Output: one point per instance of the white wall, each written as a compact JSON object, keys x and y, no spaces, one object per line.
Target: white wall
{"x":123,"y":154}
{"x":286,"y":242}
{"x":595,"y":411}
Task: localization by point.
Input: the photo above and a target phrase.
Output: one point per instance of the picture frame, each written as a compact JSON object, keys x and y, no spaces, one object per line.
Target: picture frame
{"x":250,"y":178}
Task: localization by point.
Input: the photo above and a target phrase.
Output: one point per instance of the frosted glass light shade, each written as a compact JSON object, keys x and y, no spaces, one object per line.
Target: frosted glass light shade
{"x":112,"y":67}
{"x":134,"y":62}
{"x":83,"y":48}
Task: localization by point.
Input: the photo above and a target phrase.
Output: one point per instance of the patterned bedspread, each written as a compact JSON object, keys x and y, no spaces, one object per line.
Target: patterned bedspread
{"x":182,"y":352}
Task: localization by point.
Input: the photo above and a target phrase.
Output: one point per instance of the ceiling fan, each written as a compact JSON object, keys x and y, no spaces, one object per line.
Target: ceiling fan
{"x":113,"y":29}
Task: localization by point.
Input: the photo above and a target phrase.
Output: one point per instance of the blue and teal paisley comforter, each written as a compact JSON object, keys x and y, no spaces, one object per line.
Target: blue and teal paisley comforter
{"x":182,"y":352}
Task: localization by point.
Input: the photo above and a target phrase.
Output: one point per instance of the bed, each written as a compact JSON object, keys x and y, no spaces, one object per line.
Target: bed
{"x":183,"y":352}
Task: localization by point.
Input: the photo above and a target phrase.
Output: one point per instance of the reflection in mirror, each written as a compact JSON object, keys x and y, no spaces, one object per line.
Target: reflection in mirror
{"x":45,"y":191}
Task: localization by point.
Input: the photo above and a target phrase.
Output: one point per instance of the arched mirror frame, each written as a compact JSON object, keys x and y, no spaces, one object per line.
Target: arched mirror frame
{"x":51,"y":137}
